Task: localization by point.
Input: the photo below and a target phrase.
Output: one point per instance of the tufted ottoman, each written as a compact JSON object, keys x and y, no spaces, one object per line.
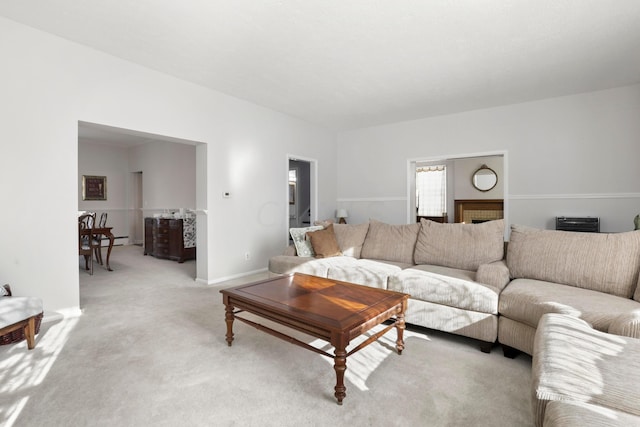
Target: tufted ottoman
{"x":19,"y":319}
{"x":577,"y":370}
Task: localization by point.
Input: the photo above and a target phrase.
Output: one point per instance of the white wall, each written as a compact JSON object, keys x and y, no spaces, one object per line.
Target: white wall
{"x":168,"y":175}
{"x":51,"y":84}
{"x":102,"y":160}
{"x":574,"y":155}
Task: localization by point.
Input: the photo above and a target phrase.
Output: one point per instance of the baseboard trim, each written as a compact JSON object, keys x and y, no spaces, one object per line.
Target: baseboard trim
{"x":232,"y":277}
{"x":65,"y":313}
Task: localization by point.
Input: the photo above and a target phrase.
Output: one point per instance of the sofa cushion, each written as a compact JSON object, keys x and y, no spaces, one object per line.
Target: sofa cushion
{"x":446,"y":286}
{"x":602,"y":262}
{"x":351,"y":237}
{"x":365,"y":272}
{"x":573,"y":362}
{"x":515,"y":334}
{"x":636,"y":295}
{"x":300,"y":240}
{"x":526,"y":300}
{"x":17,"y":309}
{"x":464,"y":246}
{"x":390,"y":242}
{"x":566,"y":413}
{"x":468,"y":323}
{"x":283,"y":264}
{"x":324,"y":242}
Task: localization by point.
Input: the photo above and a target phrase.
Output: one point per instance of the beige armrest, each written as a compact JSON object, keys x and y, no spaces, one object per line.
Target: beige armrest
{"x":494,"y":274}
{"x":627,"y":324}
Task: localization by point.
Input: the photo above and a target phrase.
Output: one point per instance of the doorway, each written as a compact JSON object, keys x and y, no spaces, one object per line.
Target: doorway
{"x":136,"y":221}
{"x":301,"y":192}
{"x":459,"y":185}
{"x":111,"y":151}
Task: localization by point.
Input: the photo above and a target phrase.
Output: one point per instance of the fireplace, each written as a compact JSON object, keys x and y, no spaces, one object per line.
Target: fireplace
{"x":478,"y":210}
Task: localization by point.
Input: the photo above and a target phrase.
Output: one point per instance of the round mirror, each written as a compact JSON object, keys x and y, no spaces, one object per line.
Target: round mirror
{"x":484,"y":179}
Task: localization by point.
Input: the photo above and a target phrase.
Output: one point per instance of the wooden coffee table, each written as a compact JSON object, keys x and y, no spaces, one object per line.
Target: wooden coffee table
{"x":334,"y":311}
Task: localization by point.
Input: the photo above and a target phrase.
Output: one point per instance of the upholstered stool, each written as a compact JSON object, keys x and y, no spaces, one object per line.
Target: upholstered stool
{"x":19,"y":319}
{"x":588,"y":371}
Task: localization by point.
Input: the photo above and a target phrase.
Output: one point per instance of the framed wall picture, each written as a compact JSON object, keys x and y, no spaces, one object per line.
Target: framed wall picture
{"x":94,"y":187}
{"x":292,"y":193}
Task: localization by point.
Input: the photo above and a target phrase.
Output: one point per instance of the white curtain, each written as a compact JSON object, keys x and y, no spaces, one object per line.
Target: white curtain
{"x":431,"y":190}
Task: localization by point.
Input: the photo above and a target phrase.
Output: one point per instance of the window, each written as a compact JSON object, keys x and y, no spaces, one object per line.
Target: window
{"x":431,"y":190}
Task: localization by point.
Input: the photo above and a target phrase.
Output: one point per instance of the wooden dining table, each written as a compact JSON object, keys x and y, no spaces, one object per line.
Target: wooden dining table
{"x":105,"y":231}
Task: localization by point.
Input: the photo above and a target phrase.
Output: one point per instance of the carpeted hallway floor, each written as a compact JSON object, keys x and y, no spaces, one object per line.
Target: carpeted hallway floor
{"x":150,"y":349}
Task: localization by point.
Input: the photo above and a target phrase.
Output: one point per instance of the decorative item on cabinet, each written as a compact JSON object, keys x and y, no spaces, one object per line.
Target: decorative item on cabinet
{"x":168,"y":238}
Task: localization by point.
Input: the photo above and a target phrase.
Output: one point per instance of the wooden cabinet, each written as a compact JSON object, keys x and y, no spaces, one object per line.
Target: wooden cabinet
{"x":165,"y":238}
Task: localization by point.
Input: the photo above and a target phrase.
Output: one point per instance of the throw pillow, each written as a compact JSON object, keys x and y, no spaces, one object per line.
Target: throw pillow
{"x":463,"y":246}
{"x":350,"y":238}
{"x":299,"y":236}
{"x":5,"y":291}
{"x":324,"y":242}
{"x":390,"y":242}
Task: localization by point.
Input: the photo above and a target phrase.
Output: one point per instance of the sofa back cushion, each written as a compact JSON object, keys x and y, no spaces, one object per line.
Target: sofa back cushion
{"x":464,"y":246}
{"x":601,"y":262}
{"x":351,"y":238}
{"x":390,"y":242}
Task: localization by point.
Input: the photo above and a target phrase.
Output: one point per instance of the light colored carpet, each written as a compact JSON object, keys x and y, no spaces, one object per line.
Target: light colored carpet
{"x":150,"y":349}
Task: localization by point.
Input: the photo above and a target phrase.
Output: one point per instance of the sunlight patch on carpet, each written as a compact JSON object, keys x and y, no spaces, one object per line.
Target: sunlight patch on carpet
{"x":24,"y":369}
{"x":363,"y":363}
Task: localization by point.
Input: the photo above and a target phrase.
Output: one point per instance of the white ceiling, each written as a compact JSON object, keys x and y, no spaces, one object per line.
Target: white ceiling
{"x":347,"y":64}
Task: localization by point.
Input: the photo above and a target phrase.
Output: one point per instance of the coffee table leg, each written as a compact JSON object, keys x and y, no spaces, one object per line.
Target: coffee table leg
{"x":400,"y":330}
{"x":340,"y":365}
{"x":228,"y":318}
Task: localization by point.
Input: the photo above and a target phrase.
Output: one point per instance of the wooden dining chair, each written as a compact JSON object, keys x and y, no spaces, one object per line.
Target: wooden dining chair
{"x":98,"y":243}
{"x":103,"y":220}
{"x":87,"y":239}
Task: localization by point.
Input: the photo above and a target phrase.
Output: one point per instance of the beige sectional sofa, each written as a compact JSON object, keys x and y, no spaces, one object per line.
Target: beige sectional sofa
{"x":582,"y":376}
{"x":571,"y":300}
{"x":592,"y":276}
{"x":574,"y":304}
{"x":453,"y":272}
